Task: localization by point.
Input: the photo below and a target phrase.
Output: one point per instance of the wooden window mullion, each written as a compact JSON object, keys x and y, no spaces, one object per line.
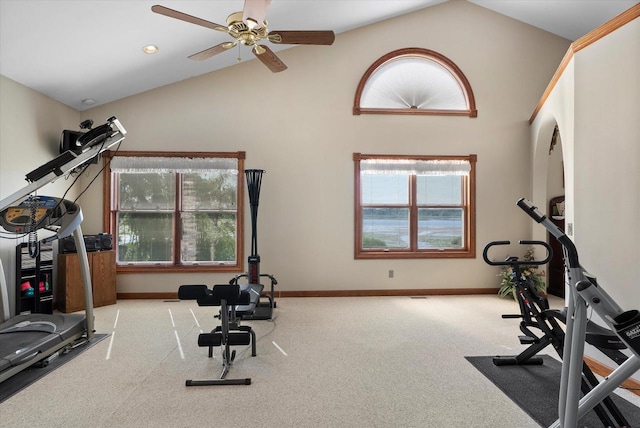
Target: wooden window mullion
{"x":413,"y":213}
{"x":177,"y":219}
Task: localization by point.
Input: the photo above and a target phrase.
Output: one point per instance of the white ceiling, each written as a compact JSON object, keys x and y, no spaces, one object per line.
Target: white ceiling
{"x":74,"y":50}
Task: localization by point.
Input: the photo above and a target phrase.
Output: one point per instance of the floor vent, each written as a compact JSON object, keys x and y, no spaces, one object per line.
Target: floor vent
{"x":171,"y":300}
{"x":417,"y":297}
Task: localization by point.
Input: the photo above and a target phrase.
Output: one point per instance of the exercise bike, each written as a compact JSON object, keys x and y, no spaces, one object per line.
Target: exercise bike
{"x":536,"y":314}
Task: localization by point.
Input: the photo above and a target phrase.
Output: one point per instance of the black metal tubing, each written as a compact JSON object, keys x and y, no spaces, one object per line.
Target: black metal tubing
{"x":513,"y":261}
{"x":226,"y":334}
{"x":213,"y":382}
{"x":254,"y":181}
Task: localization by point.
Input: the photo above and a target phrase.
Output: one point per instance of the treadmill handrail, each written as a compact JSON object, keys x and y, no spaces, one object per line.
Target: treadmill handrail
{"x":116,"y":137}
{"x":81,"y":159}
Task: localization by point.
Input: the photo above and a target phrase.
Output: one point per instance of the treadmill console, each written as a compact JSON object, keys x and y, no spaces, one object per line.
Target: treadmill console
{"x":43,"y":211}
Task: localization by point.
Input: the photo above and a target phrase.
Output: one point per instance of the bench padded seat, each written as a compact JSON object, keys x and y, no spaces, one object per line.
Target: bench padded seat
{"x":245,"y":297}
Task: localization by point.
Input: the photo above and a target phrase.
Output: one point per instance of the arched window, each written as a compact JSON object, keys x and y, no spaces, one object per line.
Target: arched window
{"x":414,"y":81}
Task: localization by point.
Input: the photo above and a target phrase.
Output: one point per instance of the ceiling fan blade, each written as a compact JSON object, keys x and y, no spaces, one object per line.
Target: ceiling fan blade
{"x":268,"y":58}
{"x":302,"y":37}
{"x":208,"y":53}
{"x":254,"y":12}
{"x":188,"y":18}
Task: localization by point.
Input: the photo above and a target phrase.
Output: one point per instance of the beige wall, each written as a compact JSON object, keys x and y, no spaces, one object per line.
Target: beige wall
{"x":30,"y":128}
{"x":607,"y":155}
{"x":298,"y":126}
{"x":596,"y":103}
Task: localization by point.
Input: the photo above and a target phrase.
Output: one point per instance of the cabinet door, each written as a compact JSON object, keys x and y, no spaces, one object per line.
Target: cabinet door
{"x":103,"y":277}
{"x":70,"y":297}
{"x":102,"y":268}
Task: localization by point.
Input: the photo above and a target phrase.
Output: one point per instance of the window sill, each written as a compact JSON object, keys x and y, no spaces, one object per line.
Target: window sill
{"x":409,"y":111}
{"x":176,"y":269}
{"x":443,"y":254}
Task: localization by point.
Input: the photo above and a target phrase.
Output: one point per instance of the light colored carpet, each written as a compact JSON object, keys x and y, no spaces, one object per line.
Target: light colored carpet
{"x":323,"y":362}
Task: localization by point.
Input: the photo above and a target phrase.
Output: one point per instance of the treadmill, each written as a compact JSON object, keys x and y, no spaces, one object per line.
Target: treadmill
{"x":28,"y":339}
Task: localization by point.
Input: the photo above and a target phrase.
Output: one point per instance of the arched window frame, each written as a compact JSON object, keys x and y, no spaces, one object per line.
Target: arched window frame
{"x":410,"y":53}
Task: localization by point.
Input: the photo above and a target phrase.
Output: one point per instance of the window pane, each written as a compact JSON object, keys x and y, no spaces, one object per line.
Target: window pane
{"x":378,"y":189}
{"x":413,"y":82}
{"x":208,"y":237}
{"x":209,"y":190}
{"x":385,"y":228}
{"x":145,"y":191}
{"x":145,"y":237}
{"x":440,"y":228}
{"x":439,"y":189}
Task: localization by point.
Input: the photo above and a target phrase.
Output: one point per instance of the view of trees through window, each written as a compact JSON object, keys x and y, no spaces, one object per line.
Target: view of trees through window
{"x":175,"y":217}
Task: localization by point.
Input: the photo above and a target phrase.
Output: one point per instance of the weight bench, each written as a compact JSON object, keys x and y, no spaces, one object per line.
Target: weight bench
{"x":235,"y":301}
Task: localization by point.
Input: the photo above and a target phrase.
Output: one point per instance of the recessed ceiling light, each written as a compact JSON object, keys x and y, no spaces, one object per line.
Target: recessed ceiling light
{"x":150,"y":49}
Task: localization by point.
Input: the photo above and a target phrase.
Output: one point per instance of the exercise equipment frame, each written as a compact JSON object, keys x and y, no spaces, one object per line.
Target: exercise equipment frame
{"x":234,"y":302}
{"x":44,"y":334}
{"x":584,"y":290}
{"x":535,"y":313}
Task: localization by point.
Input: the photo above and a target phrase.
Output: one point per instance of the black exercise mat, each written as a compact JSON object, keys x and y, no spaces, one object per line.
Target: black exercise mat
{"x":21,"y":380}
{"x":535,"y":390}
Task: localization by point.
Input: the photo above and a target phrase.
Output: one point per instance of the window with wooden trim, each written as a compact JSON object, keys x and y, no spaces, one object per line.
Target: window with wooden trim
{"x":176,"y":211}
{"x":414,"y":81}
{"x":414,"y":206}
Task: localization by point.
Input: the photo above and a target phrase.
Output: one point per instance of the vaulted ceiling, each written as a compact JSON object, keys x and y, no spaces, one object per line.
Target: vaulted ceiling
{"x":91,"y":50}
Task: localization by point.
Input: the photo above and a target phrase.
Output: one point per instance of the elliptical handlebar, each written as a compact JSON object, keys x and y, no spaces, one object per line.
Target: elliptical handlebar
{"x":513,"y":261}
{"x":571,"y":253}
{"x":531,"y":210}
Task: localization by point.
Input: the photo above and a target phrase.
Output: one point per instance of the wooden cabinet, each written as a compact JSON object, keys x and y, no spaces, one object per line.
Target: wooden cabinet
{"x":34,"y":271}
{"x":69,"y":294}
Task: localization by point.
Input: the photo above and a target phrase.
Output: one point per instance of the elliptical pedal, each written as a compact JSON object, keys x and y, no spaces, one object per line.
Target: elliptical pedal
{"x":527,"y":340}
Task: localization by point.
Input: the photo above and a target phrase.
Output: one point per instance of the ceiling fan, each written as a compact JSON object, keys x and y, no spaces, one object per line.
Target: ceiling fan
{"x":250,"y":28}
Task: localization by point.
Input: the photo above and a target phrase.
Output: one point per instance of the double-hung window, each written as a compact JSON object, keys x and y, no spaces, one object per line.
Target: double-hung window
{"x":176,"y":211}
{"x":414,"y":206}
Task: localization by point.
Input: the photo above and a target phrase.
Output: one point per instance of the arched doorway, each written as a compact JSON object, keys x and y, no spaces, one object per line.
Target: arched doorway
{"x":548,"y":191}
{"x":555,"y":211}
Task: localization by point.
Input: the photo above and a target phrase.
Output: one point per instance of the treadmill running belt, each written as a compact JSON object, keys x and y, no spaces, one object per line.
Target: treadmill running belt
{"x":25,"y":337}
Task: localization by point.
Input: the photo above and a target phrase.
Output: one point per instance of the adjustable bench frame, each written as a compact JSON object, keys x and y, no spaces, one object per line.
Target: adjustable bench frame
{"x":234,"y":301}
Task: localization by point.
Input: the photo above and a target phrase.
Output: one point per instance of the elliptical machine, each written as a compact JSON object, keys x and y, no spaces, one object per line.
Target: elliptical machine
{"x":536,"y":314}
{"x":584,"y":290}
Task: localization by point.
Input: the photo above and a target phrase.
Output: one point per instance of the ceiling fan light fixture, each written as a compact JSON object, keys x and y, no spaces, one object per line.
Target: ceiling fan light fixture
{"x":251,"y":23}
{"x":150,"y":49}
